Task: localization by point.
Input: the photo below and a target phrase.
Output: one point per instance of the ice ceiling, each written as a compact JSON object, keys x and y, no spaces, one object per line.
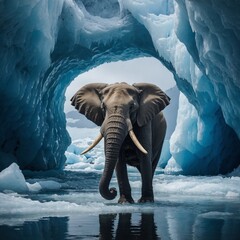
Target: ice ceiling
{"x":45,"y":44}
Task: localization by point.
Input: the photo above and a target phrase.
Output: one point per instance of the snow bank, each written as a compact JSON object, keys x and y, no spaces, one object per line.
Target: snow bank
{"x":17,"y":205}
{"x":211,"y":188}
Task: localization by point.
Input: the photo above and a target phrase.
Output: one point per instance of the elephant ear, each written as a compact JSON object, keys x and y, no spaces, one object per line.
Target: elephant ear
{"x":87,"y":101}
{"x":152,"y":101}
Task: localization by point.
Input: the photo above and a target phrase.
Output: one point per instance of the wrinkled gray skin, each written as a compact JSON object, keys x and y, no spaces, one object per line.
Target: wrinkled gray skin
{"x":119,"y":108}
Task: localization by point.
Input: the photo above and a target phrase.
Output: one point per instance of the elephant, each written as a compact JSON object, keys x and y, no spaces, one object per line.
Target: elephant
{"x":133,"y":127}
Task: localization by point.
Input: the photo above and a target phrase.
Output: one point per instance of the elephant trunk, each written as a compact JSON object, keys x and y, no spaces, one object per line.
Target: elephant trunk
{"x":114,"y":132}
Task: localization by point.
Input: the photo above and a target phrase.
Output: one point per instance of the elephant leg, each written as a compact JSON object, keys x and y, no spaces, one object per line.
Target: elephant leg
{"x":156,"y":159}
{"x":155,"y":163}
{"x":145,"y":138}
{"x":146,"y":174}
{"x":159,"y":125}
{"x":123,"y":182}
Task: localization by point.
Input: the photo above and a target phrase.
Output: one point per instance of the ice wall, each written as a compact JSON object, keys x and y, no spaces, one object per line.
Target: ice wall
{"x":210,"y":30}
{"x":200,"y":42}
{"x":45,"y":44}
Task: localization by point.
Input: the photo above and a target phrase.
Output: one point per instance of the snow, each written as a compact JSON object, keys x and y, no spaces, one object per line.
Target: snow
{"x":16,"y":205}
{"x":203,"y":187}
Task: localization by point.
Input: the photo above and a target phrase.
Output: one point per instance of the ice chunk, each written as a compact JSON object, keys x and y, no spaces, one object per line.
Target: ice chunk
{"x":44,"y":186}
{"x":12,"y":179}
{"x":34,"y":187}
{"x":172,"y":167}
{"x":235,"y":172}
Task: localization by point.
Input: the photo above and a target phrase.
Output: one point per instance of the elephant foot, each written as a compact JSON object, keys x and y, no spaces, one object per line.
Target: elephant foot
{"x":146,"y":200}
{"x":123,"y":199}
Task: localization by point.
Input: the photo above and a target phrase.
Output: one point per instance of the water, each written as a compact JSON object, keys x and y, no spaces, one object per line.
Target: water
{"x":76,"y":211}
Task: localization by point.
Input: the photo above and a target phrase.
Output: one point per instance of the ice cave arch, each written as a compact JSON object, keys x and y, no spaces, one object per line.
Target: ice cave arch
{"x":45,"y":44}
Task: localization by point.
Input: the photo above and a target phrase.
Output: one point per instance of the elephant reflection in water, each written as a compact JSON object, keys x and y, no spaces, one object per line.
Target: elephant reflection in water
{"x":133,"y":128}
{"x":125,"y":229}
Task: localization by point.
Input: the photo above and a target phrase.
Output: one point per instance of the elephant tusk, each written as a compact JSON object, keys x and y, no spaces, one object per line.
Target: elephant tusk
{"x":96,"y":141}
{"x":136,"y":142}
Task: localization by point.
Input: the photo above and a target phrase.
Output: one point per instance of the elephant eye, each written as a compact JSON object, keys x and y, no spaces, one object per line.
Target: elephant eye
{"x":133,"y":106}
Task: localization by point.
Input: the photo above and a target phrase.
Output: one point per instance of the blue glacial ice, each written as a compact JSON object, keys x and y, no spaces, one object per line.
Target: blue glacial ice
{"x":46,"y":44}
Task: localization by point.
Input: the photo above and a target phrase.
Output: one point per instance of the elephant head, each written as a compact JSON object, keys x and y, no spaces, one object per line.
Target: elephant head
{"x":116,"y":107}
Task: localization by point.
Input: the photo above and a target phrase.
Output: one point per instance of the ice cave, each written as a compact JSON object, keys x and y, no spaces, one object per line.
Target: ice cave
{"x":46,"y":44}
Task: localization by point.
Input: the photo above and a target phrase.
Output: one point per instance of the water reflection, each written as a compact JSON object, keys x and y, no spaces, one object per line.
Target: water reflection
{"x":181,"y":222}
{"x":50,"y":228}
{"x":126,"y":229}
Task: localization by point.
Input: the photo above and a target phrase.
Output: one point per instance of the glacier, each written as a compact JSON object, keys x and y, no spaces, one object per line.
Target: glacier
{"x":46,"y":44}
